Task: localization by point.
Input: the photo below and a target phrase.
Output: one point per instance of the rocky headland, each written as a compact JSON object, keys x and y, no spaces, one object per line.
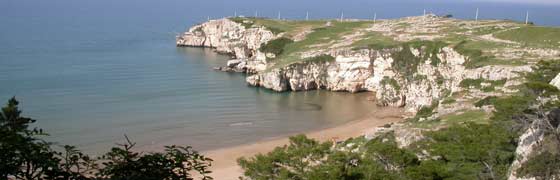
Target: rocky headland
{"x":413,"y":71}
{"x":436,"y":68}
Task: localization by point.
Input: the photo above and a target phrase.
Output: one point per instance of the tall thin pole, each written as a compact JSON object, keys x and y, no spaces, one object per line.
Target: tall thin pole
{"x":476,"y":16}
{"x":307,"y":16}
{"x":256,"y":13}
{"x":374,"y":17}
{"x":342,"y":16}
{"x":424,"y":16}
{"x":527,"y":18}
{"x":235,"y":14}
{"x":279,"y":17}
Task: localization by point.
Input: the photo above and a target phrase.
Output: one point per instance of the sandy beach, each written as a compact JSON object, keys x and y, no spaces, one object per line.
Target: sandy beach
{"x":225,"y":166}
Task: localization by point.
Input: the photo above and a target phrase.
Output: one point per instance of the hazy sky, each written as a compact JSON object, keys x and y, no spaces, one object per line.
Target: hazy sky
{"x":527,"y":1}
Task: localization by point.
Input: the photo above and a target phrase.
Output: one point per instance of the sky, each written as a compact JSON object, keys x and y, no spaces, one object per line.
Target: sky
{"x":526,"y":1}
{"x":195,"y":11}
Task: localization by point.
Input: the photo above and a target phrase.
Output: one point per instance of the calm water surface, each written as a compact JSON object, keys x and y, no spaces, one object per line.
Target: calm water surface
{"x":91,"y":71}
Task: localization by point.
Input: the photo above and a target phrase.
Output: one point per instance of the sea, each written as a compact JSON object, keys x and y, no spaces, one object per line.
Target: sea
{"x":94,"y":71}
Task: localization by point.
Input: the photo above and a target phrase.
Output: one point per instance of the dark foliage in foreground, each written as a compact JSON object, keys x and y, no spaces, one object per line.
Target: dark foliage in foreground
{"x":24,"y":155}
{"x":471,"y":151}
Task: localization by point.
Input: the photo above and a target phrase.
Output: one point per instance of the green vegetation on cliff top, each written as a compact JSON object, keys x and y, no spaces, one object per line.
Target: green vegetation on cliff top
{"x":486,"y":42}
{"x":533,"y":36}
{"x":320,"y":38}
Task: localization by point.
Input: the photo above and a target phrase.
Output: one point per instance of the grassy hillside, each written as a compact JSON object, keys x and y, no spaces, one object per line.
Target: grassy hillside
{"x":487,"y":42}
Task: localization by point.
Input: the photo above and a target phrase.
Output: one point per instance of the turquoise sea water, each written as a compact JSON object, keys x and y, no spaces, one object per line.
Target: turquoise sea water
{"x":91,"y":71}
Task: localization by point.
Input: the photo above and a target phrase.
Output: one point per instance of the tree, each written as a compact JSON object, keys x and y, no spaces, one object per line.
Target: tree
{"x":473,"y":151}
{"x":177,"y":162}
{"x":306,"y":158}
{"x":73,"y":164}
{"x":24,"y":155}
{"x":288,"y":162}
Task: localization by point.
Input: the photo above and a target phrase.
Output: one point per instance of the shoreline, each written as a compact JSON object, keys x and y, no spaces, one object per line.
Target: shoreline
{"x":225,"y":165}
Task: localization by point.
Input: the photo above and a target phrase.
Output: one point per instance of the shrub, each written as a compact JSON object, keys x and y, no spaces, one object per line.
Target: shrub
{"x":466,"y":83}
{"x":544,"y":71}
{"x":545,"y":165}
{"x":542,"y":88}
{"x":475,"y":56}
{"x":275,"y":46}
{"x":406,"y":63}
{"x":274,"y":30}
{"x":470,"y":151}
{"x":489,"y":100}
{"x":392,"y":82}
{"x":321,"y":58}
{"x":287,"y":162}
{"x":307,"y":159}
{"x":448,"y":101}
{"x":477,"y":83}
{"x":245,"y":22}
{"x":483,"y":151}
{"x":427,"y":111}
{"x":509,"y":107}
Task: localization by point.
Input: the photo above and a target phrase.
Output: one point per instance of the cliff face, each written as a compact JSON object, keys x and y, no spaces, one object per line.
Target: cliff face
{"x":528,"y":144}
{"x":227,"y":37}
{"x":346,"y":73}
{"x":412,"y":83}
{"x":374,"y":70}
{"x":232,"y":38}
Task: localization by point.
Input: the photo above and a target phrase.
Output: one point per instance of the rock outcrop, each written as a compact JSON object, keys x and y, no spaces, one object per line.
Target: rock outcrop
{"x":528,"y":144}
{"x":229,"y":37}
{"x":556,"y":81}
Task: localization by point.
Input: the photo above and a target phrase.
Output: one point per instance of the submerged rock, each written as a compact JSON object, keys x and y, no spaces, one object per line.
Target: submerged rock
{"x":234,"y":63}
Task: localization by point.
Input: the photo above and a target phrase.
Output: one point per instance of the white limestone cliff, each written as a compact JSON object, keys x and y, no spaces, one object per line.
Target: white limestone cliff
{"x":374,"y":71}
{"x":528,"y":144}
{"x":352,"y":71}
{"x":229,"y":37}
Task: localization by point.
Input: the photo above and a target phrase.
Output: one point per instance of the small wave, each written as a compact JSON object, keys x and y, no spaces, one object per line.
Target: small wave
{"x":241,"y":124}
